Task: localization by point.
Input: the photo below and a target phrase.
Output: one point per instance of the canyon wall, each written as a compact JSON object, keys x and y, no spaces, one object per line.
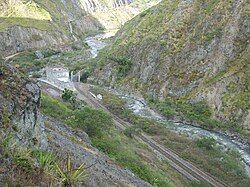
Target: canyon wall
{"x":190,"y":51}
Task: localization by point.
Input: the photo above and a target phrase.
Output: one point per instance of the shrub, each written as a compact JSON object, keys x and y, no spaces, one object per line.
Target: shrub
{"x":46,"y":161}
{"x":69,"y":175}
{"x":130,"y":131}
{"x":67,"y":94}
{"x":207,"y":143}
{"x":85,"y":76}
{"x":124,"y":65}
{"x":22,"y":158}
{"x":93,"y":122}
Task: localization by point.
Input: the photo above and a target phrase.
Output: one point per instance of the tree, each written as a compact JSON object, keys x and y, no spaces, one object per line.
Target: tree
{"x":67,"y":94}
{"x":93,"y":122}
{"x":207,"y":143}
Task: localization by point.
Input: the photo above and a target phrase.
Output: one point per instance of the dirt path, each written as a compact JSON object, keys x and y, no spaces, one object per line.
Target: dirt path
{"x":9,"y":57}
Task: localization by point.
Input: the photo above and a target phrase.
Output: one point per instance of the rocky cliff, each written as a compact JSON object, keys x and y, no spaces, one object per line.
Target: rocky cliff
{"x":39,"y":23}
{"x":112,"y":14}
{"x":23,"y":130}
{"x":36,"y":24}
{"x":190,"y":51}
{"x":19,"y":109}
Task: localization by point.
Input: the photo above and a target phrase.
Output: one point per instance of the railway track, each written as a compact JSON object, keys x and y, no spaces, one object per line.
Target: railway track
{"x":187,"y":169}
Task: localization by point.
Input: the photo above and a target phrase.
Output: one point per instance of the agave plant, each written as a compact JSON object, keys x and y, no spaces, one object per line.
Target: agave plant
{"x":68,"y":175}
{"x":46,"y":160}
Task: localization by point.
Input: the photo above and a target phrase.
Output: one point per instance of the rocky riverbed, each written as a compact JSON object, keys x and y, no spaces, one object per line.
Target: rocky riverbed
{"x":140,"y":107}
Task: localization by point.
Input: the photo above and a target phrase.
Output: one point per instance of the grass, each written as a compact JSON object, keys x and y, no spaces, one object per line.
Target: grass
{"x":201,"y":23}
{"x":7,"y":22}
{"x":27,"y":60}
{"x":123,"y":150}
{"x":199,"y":113}
{"x":92,"y":121}
{"x":34,"y":167}
{"x":226,"y":165}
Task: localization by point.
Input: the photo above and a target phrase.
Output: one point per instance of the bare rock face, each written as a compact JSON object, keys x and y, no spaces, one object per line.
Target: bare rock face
{"x":39,"y":24}
{"x":20,"y":117}
{"x":19,"y":109}
{"x":17,"y":39}
{"x":189,"y":50}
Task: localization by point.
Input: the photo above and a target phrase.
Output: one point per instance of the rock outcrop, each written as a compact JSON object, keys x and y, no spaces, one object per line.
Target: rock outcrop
{"x":19,"y":109}
{"x":112,"y":14}
{"x":188,"y":50}
{"x":38,"y":24}
{"x":101,"y":170}
{"x":21,"y":120}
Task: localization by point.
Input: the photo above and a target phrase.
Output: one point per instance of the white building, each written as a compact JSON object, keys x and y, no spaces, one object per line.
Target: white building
{"x":59,"y":73}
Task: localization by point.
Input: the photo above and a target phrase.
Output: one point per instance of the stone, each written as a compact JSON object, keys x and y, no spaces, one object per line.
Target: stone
{"x":20,"y":100}
{"x":99,"y":97}
{"x":39,"y":54}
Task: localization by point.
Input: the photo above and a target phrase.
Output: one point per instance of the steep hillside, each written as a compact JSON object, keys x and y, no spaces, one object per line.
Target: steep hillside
{"x":32,"y":145}
{"x":39,"y":23}
{"x":36,"y":24}
{"x":186,"y":52}
{"x":112,"y":14}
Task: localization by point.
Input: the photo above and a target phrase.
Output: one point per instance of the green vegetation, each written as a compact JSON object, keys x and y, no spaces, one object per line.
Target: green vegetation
{"x":195,"y":113}
{"x":24,"y":13}
{"x":25,"y":22}
{"x":108,"y":139}
{"x":124,"y":65}
{"x":226,"y":165}
{"x":207,"y":143}
{"x":26,"y":9}
{"x":210,"y":6}
{"x":94,"y":122}
{"x":55,"y":108}
{"x":33,"y":167}
{"x":125,"y":152}
{"x":29,"y":14}
{"x":45,"y":160}
{"x":69,"y":96}
{"x":5,"y":119}
{"x":22,"y":158}
{"x":69,"y":175}
{"x":28,"y":62}
{"x":161,"y":39}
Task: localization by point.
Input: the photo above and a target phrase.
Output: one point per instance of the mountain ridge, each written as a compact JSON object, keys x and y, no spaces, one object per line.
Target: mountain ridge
{"x":37,"y":24}
{"x":189,"y":51}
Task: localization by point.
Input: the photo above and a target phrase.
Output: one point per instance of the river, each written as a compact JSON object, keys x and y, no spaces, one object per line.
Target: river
{"x":140,"y":107}
{"x":96,"y":42}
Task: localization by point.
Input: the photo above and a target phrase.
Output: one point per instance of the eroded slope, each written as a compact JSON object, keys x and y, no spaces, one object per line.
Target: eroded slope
{"x":190,"y":51}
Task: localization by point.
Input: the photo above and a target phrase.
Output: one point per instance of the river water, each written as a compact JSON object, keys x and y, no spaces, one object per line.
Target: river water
{"x":96,"y":42}
{"x":140,"y":107}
